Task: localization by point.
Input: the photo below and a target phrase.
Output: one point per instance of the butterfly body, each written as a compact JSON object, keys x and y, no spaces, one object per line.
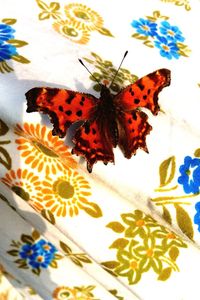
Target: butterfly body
{"x":107,"y":121}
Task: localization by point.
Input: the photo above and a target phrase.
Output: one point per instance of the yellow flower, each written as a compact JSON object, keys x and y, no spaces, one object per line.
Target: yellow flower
{"x":84,"y":16}
{"x":72,"y":31}
{"x":76,"y":293}
{"x":24,"y":183}
{"x":41,"y":150}
{"x":63,"y":195}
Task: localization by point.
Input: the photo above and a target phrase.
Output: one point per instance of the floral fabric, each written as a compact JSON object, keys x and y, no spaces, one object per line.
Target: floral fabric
{"x":128,"y":230}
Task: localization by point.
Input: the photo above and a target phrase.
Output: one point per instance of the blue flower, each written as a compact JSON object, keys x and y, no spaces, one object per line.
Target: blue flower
{"x":39,"y":254}
{"x":44,"y":247}
{"x":190,"y":175}
{"x":172,"y":33}
{"x":40,"y":260}
{"x":145,"y":27}
{"x":26,"y":251}
{"x":7,"y":51}
{"x":167,"y":49}
{"x":197,"y":216}
{"x":6,"y":32}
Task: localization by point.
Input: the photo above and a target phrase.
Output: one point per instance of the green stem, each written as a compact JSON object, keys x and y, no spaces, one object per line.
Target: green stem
{"x":160,"y":199}
{"x":160,"y":189}
{"x":172,"y":202}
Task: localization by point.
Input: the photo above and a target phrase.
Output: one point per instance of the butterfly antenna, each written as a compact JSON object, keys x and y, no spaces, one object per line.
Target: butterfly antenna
{"x":82,"y":63}
{"x":119,"y":67}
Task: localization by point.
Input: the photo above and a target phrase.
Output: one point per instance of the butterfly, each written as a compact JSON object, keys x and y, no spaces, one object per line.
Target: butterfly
{"x":108,"y":121}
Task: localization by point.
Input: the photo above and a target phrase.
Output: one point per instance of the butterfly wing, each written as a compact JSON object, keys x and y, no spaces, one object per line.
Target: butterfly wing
{"x":64,"y":107}
{"x":132,"y":122}
{"x":93,"y":139}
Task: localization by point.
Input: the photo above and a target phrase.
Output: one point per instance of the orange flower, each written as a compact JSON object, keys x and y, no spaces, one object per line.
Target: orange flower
{"x":64,"y":195}
{"x":72,"y":31}
{"x":41,"y":150}
{"x":75,"y":293}
{"x":83,"y":16}
{"x":24,"y":183}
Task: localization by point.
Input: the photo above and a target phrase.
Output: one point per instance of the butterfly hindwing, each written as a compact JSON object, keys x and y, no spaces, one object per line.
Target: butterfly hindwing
{"x":64,"y":107}
{"x":133,"y":128}
{"x":93,"y":140}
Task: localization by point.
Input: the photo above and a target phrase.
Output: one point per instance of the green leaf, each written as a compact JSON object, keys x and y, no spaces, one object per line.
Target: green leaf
{"x":105,"y":31}
{"x":76,"y":261}
{"x":96,"y":56}
{"x":53,"y":264}
{"x":21,"y":59}
{"x":5,"y":158}
{"x":13,"y":252}
{"x":120,"y":243}
{"x":174,"y":253}
{"x":3,"y":128}
{"x":112,"y":264}
{"x":139,"y":36}
{"x":83,"y":258}
{"x":156,"y":14}
{"x":42,"y":5}
{"x":36,"y":271}
{"x":197,"y":152}
{"x":54,"y":6}
{"x":91,"y":209}
{"x":184,"y":221}
{"x":165,"y":274}
{"x":148,"y":44}
{"x":20,"y":261}
{"x":166,"y":215}
{"x":35,"y":235}
{"x":17,"y":43}
{"x":58,"y":256}
{"x":152,"y":19}
{"x":65,"y":248}
{"x":9,"y":21}
{"x":27,"y":239}
{"x":116,"y":227}
{"x":167,"y":171}
{"x":47,"y":214}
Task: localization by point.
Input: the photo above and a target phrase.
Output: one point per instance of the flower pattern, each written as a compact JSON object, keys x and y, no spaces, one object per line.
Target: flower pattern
{"x":184,"y":3}
{"x":65,"y":194}
{"x":190,"y":175}
{"x":145,"y":27}
{"x":41,"y":150}
{"x":34,"y":252}
{"x":72,"y":31}
{"x":83,"y":16}
{"x":6,"y":32}
{"x":167,"y":49}
{"x":197,"y":215}
{"x":74,"y":22}
{"x":78,"y":293}
{"x":160,"y":34}
{"x":8,"y":46}
{"x":153,"y":248}
{"x":23,"y":182}
{"x":105,"y":73}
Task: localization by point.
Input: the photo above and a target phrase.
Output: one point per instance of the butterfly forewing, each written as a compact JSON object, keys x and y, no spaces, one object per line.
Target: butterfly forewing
{"x":64,"y":107}
{"x":144,"y":92}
